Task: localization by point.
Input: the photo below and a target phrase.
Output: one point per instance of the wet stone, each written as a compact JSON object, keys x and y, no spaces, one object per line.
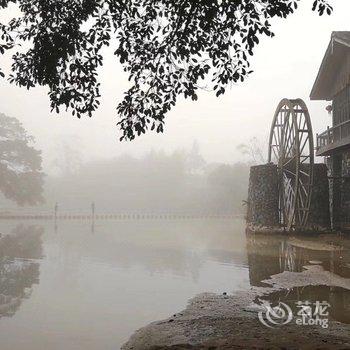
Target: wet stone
{"x":263,"y":195}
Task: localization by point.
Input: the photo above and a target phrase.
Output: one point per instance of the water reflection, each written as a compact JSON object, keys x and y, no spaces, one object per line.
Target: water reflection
{"x":176,"y":248}
{"x":270,"y":255}
{"x":97,"y":288}
{"x":338,"y":298}
{"x":18,"y":272}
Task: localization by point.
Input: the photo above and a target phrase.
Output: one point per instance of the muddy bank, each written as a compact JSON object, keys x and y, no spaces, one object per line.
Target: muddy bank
{"x":231,"y":322}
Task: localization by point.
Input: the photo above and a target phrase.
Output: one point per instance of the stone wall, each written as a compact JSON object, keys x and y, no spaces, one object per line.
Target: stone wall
{"x":319,"y":207}
{"x":345,"y":197}
{"x":263,"y":195}
{"x":340,"y":189}
{"x":336,"y":190}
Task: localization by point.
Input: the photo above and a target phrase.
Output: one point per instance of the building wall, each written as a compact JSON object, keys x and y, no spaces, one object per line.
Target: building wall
{"x":319,"y":207}
{"x":346,"y":186}
{"x":341,"y":79}
{"x":341,"y":107}
{"x":340,"y":160}
{"x":340,"y":189}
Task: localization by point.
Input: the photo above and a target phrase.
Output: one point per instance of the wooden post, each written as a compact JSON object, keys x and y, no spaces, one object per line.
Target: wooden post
{"x":93,"y":210}
{"x":56,"y":210}
{"x":93,"y":217}
{"x":328,"y":136}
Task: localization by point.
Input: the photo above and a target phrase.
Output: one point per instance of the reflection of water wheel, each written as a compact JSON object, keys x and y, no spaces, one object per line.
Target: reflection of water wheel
{"x":291,"y":148}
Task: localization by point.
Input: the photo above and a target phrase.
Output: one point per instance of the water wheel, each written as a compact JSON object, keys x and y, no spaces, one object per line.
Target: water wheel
{"x":291,"y":148}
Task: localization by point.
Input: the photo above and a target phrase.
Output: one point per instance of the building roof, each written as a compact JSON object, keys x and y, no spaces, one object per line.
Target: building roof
{"x":337,"y":53}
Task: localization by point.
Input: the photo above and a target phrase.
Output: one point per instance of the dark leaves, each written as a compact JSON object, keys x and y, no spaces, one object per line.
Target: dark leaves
{"x":170,"y":49}
{"x":322,"y":6}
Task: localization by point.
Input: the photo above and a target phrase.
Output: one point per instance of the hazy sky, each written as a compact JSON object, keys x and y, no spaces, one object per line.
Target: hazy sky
{"x":284,"y":66}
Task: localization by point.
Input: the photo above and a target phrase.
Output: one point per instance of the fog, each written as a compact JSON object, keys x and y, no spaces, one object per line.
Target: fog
{"x":158,"y":183}
{"x":85,"y":162}
{"x":284,"y":66}
{"x":74,"y":280}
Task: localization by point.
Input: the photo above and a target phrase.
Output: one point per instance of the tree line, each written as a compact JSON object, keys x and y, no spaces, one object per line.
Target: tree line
{"x":180,"y":182}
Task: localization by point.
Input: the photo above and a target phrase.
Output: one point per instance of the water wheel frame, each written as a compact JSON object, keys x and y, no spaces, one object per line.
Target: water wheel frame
{"x":291,"y":148}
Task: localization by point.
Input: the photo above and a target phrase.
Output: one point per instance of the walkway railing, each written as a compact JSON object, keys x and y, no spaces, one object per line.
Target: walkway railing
{"x":333,"y":137}
{"x":83,"y":217}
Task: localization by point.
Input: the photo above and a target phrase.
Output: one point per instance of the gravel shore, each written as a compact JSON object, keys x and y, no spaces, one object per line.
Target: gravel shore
{"x":213,"y":321}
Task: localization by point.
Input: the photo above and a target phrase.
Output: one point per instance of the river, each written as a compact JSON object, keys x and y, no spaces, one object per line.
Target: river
{"x":74,"y":287}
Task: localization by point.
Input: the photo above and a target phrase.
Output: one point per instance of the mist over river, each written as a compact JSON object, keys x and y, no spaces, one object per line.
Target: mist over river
{"x":74,"y":288}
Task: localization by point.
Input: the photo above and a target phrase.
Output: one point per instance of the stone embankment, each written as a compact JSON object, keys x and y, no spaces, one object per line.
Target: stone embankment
{"x":263,"y":200}
{"x":231,"y":322}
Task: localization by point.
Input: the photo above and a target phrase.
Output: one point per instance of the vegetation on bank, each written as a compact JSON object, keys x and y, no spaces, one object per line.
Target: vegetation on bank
{"x":180,"y":182}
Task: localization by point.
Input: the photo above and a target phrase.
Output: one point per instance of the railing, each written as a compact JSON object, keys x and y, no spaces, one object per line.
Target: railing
{"x":334,"y":136}
{"x":121,"y":217}
{"x":61,"y":212}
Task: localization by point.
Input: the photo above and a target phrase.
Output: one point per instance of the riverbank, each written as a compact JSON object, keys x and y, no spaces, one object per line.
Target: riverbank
{"x":213,"y":321}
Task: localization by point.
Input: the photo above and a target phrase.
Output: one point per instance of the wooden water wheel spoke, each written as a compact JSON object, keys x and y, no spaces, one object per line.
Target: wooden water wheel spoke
{"x":275,"y":152}
{"x":303,"y":146}
{"x":288,"y":130}
{"x":279,"y":131}
{"x":289,"y":142}
{"x":303,"y":188}
{"x":288,"y":145}
{"x":289,"y":172}
{"x":301,"y":198}
{"x":304,"y":124}
{"x":304,"y":173}
{"x":277,"y":142}
{"x":289,"y":160}
{"x":305,"y":159}
{"x":291,"y":149}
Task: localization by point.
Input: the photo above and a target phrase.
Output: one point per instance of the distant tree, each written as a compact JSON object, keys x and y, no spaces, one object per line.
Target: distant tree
{"x":229,"y":176}
{"x":21,"y":178}
{"x":170,"y":48}
{"x":195,"y":161}
{"x":231,"y":185}
{"x":253,"y":151}
{"x":69,"y":159}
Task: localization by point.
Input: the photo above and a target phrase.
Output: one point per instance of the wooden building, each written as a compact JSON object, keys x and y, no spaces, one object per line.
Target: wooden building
{"x":333,"y":84}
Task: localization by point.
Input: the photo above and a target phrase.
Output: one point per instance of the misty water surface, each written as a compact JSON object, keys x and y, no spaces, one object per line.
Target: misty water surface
{"x":95,"y":289}
{"x":72,"y":288}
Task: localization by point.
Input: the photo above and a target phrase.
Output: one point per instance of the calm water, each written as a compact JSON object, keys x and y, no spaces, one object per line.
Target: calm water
{"x":78,"y":289}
